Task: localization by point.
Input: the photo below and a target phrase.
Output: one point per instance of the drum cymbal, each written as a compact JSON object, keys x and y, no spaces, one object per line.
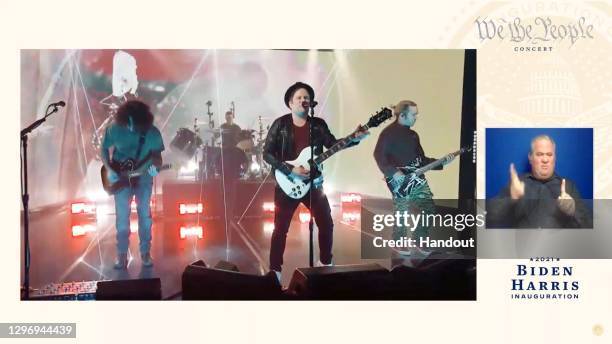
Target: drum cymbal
{"x":246,"y":144}
{"x":215,"y":130}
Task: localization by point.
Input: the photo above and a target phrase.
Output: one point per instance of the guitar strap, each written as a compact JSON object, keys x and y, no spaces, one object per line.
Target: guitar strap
{"x":140,"y":144}
{"x":141,"y":141}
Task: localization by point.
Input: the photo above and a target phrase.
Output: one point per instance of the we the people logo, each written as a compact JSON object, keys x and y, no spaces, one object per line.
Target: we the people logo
{"x":541,"y":33}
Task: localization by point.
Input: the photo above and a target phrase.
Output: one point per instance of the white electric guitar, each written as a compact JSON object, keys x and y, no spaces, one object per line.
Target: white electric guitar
{"x":296,"y":186}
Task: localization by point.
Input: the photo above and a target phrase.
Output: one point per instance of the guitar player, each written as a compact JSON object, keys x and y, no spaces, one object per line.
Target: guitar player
{"x":399,"y":146}
{"x":132,"y":136}
{"x":287,"y":137}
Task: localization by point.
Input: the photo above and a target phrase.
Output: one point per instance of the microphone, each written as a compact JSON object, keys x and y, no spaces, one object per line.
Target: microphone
{"x":310,"y":104}
{"x":40,"y":121}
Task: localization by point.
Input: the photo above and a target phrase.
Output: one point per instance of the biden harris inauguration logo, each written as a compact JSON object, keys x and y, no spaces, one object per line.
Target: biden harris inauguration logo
{"x":544,"y":279}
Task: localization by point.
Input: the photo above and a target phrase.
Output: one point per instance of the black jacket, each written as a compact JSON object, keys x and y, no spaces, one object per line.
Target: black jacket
{"x":538,"y":207}
{"x":279,"y":142}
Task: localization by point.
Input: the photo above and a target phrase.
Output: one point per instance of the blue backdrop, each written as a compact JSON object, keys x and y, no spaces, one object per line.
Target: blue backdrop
{"x":511,"y":145}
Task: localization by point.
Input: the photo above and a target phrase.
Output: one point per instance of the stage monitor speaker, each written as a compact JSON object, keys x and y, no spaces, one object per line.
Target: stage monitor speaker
{"x":202,"y":283}
{"x":227,"y":266}
{"x":140,"y":289}
{"x":439,"y":277}
{"x":199,"y":263}
{"x":342,"y":282}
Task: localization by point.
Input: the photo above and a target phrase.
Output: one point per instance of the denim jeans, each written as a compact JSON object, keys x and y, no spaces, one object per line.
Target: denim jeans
{"x":142,"y":191}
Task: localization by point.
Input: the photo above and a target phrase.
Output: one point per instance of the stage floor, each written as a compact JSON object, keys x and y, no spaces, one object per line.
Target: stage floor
{"x":58,"y":256}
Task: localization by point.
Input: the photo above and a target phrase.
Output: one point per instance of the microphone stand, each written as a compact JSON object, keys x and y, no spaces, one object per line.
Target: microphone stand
{"x":207,"y":148}
{"x":25,"y":199}
{"x":312,"y":174}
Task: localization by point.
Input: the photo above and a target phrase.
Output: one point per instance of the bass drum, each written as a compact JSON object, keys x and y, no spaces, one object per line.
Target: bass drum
{"x":232,"y":163}
{"x":186,"y":142}
{"x":245,"y":141}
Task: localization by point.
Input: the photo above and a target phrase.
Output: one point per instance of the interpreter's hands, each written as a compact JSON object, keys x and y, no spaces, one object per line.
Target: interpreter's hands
{"x":565,"y":201}
{"x":361,"y":134}
{"x":152,"y":171}
{"x":517,"y":187}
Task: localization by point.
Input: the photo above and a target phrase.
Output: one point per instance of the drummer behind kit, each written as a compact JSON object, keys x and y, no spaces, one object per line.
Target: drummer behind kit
{"x":245,"y":141}
{"x":211,"y":156}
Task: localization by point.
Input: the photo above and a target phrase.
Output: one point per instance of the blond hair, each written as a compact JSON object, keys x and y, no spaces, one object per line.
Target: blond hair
{"x":402,"y":105}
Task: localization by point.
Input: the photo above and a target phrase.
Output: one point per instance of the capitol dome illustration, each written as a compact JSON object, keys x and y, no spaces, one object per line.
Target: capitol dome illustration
{"x":551,"y":91}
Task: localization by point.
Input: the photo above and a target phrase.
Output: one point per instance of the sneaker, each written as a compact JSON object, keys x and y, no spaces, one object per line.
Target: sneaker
{"x":320,"y":264}
{"x":121,"y":262}
{"x":147,"y":261}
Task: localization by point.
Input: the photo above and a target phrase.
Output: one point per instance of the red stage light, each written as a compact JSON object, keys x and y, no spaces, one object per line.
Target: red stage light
{"x":350,"y":198}
{"x":191,"y":231}
{"x":190,"y":208}
{"x":351,"y":216}
{"x":79,"y":230}
{"x":83,"y":208}
{"x":268,"y":226}
{"x":268,"y":207}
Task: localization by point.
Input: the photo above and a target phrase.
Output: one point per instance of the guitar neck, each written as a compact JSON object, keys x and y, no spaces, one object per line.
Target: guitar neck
{"x":340,"y":145}
{"x":436,"y":163}
{"x":141,"y":170}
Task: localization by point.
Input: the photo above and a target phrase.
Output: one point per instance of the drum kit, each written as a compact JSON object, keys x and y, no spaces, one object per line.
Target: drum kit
{"x":216,"y":159}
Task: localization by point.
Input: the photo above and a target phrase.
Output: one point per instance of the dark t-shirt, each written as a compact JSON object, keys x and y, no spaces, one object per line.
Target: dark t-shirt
{"x":300,"y":139}
{"x":538,"y":208}
{"x":230,"y":134}
{"x":399,"y":146}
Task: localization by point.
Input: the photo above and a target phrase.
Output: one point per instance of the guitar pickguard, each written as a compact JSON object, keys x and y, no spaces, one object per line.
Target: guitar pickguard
{"x":410,"y":181}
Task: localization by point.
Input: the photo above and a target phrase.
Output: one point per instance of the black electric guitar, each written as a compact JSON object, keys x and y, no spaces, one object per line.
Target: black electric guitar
{"x":402,"y":187}
{"x":128,"y":172}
